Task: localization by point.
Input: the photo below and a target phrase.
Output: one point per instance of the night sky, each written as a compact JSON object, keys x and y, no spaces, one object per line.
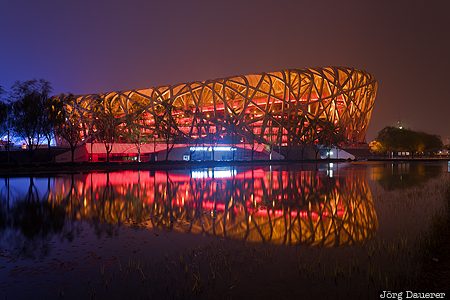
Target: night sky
{"x":87,"y":46}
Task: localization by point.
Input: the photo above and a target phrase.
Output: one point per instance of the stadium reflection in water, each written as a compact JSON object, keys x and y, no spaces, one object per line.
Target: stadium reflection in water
{"x":268,"y":204}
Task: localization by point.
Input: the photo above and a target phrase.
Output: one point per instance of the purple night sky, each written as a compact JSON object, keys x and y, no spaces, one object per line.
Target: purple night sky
{"x":87,"y":46}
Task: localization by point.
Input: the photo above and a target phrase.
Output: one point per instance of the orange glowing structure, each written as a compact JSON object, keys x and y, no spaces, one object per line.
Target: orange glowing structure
{"x":277,"y":109}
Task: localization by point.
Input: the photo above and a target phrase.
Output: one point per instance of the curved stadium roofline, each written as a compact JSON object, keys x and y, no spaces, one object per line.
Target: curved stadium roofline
{"x":237,"y":75}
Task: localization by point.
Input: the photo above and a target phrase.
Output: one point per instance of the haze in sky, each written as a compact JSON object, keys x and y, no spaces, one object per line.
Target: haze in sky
{"x":87,"y":46}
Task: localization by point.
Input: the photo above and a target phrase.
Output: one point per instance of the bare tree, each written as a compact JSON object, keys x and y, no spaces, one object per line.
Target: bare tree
{"x":106,"y":123}
{"x":28,"y":107}
{"x":135,"y":131}
{"x":3,"y":117}
{"x":165,"y":125}
{"x":329,"y":135}
{"x":68,"y":121}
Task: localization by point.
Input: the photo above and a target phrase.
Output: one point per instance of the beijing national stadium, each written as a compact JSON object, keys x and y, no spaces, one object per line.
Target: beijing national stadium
{"x":287,"y":114}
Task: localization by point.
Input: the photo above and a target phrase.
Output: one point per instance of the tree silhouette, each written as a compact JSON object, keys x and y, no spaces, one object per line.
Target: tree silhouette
{"x":68,"y":121}
{"x":30,"y":120}
{"x":394,"y":139}
{"x":106,"y":122}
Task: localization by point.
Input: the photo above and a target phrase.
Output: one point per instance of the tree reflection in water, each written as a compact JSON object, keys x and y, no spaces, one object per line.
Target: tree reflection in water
{"x":404,"y":175}
{"x":29,"y":221}
{"x":279,"y":205}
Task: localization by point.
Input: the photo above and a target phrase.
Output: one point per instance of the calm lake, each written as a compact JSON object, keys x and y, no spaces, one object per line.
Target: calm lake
{"x":289,"y":231}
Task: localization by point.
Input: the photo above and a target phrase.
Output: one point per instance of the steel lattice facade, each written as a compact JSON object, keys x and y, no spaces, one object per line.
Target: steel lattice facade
{"x":274,"y":109}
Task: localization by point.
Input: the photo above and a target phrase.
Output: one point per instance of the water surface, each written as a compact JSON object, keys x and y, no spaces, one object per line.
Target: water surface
{"x":75,"y":230}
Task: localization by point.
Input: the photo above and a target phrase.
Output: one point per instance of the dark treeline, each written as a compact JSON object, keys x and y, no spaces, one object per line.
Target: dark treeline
{"x":30,"y":115}
{"x":26,"y":113}
{"x":393,"y":139}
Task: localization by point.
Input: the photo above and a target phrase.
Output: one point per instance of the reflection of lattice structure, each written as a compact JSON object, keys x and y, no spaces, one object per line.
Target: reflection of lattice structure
{"x":280,"y":207}
{"x":283,"y":209}
{"x":278,"y":108}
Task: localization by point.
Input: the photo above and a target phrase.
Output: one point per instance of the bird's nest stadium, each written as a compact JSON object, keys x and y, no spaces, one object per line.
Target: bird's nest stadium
{"x":259,"y":116}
